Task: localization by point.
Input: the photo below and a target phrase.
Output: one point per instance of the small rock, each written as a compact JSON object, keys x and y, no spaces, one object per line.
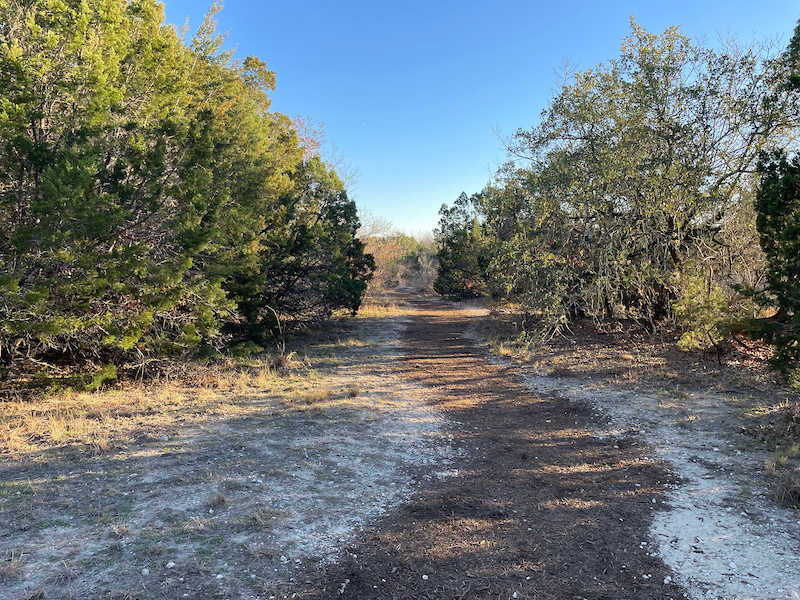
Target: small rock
{"x":220,"y":576}
{"x":733,"y":566}
{"x":170,"y":564}
{"x":425,"y":578}
{"x":145,"y":571}
{"x":667,"y":580}
{"x":164,"y":438}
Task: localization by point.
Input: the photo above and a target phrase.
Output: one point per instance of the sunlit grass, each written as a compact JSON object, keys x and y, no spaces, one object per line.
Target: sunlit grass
{"x":109,"y":421}
{"x":116,"y":420}
{"x":381,"y":306}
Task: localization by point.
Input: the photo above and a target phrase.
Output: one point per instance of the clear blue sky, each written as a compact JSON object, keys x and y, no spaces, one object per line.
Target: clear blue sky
{"x":413,"y":92}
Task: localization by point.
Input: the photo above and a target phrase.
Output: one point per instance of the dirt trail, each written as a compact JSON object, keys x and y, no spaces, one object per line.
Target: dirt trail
{"x":535,"y":507}
{"x":408,"y":464}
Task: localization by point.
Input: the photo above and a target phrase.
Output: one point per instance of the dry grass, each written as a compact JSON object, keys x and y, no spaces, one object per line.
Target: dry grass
{"x":10,"y":567}
{"x":266,"y":517}
{"x":785,"y":465}
{"x":64,"y":574}
{"x":617,"y":353}
{"x":199,"y":525}
{"x":142,"y":466}
{"x":112,"y":421}
{"x":260,"y":552}
{"x":380,"y":306}
{"x":120,"y":530}
{"x":218,"y":500}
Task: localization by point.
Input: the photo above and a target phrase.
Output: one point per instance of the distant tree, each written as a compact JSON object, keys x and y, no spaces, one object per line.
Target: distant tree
{"x":463,"y":252}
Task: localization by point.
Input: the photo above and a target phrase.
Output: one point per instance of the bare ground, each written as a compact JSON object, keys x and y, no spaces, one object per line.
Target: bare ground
{"x":427,"y":470}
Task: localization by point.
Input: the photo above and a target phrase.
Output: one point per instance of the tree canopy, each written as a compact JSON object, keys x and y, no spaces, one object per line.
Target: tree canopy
{"x":150,"y":201}
{"x":625,"y":191}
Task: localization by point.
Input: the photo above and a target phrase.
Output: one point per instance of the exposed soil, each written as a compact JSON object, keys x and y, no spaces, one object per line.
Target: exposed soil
{"x":537,"y":506}
{"x":569,"y":487}
{"x":449,"y":474}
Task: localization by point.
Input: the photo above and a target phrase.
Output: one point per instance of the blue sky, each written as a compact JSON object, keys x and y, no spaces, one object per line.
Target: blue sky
{"x":413,"y":93}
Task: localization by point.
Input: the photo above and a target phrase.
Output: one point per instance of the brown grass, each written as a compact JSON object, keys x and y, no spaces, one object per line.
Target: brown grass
{"x":218,"y":500}
{"x":199,"y":525}
{"x":266,"y":517}
{"x":111,"y":421}
{"x":65,"y":573}
{"x":10,"y":567}
{"x":316,"y":396}
{"x":261,"y":551}
{"x":619,"y":353}
{"x":380,"y":306}
{"x":120,"y":530}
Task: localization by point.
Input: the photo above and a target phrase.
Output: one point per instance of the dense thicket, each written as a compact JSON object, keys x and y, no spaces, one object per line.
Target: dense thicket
{"x":633,"y":195}
{"x":401,"y":260}
{"x":149,"y":199}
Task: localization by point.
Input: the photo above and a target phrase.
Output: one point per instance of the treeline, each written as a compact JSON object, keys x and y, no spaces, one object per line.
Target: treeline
{"x":647,"y":191}
{"x":151,"y":204}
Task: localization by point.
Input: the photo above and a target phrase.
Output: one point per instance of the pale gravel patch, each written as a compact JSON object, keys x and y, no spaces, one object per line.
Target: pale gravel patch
{"x":400,"y":431}
{"x":724,"y":535}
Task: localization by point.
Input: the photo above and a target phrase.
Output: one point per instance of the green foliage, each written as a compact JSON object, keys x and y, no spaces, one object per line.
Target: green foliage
{"x":704,"y":313}
{"x":638,"y":170}
{"x":778,"y":223}
{"x":645,"y":158}
{"x":148,"y":198}
{"x":777,"y":206}
{"x":463,"y":252}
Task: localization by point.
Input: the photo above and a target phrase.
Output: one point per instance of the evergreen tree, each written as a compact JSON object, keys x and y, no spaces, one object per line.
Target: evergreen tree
{"x":148,"y":196}
{"x":463,"y":253}
{"x":778,"y":223}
